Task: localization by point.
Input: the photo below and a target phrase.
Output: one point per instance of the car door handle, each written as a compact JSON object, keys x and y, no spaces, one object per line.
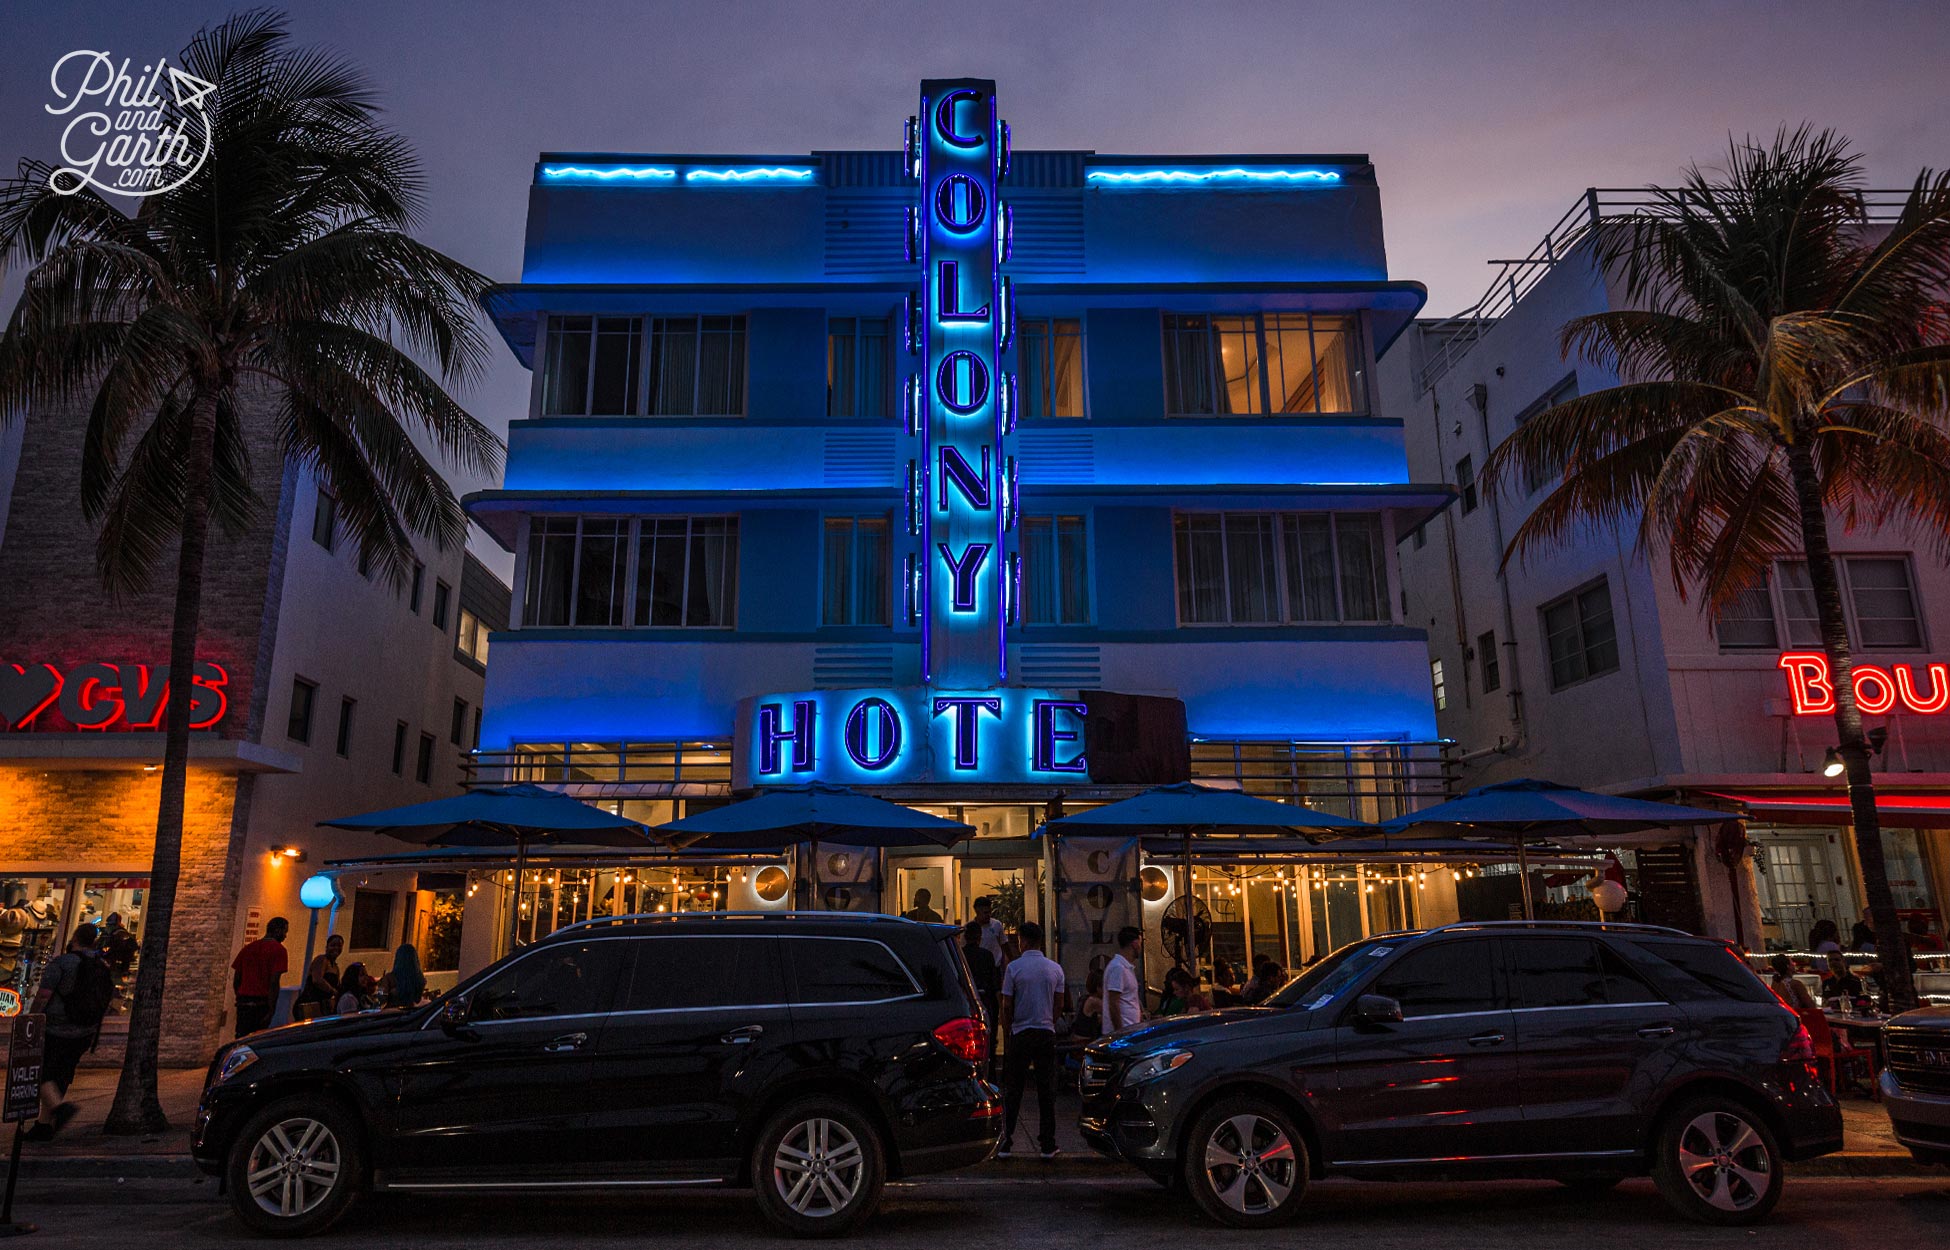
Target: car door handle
{"x":1657,"y":1030}
{"x":744,"y":1036}
{"x":564,"y":1044}
{"x":1487,"y":1039}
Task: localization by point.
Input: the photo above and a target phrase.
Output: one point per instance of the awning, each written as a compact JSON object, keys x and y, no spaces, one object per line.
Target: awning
{"x":1828,"y":807}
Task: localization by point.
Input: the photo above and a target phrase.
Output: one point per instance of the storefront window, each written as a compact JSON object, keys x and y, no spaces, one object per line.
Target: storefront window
{"x":38,"y":913}
{"x":1909,"y":878}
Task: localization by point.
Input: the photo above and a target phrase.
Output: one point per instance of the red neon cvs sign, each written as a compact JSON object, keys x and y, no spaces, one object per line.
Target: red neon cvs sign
{"x":107,"y":696}
{"x":1878,"y":690}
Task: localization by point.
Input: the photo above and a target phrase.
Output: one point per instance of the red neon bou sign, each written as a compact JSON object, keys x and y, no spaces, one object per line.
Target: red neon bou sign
{"x":1878,"y":690}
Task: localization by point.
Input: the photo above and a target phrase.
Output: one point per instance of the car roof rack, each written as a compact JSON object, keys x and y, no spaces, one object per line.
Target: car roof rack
{"x":1592,"y":926}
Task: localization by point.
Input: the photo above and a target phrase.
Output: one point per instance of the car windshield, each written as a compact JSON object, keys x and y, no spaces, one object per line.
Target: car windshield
{"x":1326,"y":980}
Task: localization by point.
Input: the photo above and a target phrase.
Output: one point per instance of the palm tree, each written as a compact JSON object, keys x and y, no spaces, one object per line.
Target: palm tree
{"x":1783,"y":362}
{"x":275,"y":293}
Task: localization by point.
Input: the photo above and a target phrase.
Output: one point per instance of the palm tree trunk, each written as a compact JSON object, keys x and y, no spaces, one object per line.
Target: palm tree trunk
{"x":138,"y":1107}
{"x":1898,"y":983}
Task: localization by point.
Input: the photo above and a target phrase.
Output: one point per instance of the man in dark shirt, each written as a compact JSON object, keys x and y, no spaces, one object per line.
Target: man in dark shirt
{"x":73,"y":1018}
{"x":982,"y":969}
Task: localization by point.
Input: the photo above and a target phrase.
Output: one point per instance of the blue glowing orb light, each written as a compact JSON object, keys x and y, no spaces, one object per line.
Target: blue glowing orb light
{"x":318,"y":891}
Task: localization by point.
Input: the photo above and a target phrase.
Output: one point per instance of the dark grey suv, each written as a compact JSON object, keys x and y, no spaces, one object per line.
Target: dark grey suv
{"x":1581,"y":1052}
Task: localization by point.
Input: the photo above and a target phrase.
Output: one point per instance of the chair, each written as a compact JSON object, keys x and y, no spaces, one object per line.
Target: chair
{"x":1839,"y":1057}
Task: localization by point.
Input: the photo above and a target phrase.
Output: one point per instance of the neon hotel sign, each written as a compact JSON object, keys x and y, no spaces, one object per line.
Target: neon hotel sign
{"x":1879,"y":689}
{"x":107,"y":696}
{"x":961,"y":583}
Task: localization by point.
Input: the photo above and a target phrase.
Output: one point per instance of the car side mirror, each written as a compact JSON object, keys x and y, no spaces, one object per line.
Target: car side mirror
{"x":1377,"y":1009}
{"x":453,"y":1016}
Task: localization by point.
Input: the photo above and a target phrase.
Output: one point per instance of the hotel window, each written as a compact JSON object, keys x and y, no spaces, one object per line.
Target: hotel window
{"x":1440,"y":684}
{"x":602,"y":572}
{"x":1491,"y":662}
{"x":303,"y":695}
{"x":475,"y":741}
{"x":368,"y":563}
{"x":1262,"y":364}
{"x":458,"y":726}
{"x":1466,"y":483}
{"x":1246,"y":568}
{"x":419,"y":584}
{"x":1579,"y":635}
{"x":1050,"y":355}
{"x":442,"y":592}
{"x":344,"y":743}
{"x":1878,"y":606}
{"x":697,"y":367}
{"x":856,"y":367}
{"x":399,"y":749}
{"x":1055,"y":570}
{"x":854,"y":571}
{"x":325,"y":520}
{"x":473,"y":637}
{"x":423,"y":764}
{"x":592,"y":366}
{"x":372,"y":920}
{"x":1563,"y":392}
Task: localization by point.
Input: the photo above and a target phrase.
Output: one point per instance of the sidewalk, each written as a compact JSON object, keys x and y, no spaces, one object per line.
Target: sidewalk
{"x":1869,"y":1147}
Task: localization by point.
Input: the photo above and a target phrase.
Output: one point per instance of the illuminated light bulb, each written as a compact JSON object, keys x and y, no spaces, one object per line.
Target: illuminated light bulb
{"x":660,"y":907}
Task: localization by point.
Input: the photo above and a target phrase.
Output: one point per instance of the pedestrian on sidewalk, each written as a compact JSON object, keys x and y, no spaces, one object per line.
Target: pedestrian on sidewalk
{"x":984,"y":969}
{"x":255,"y":974}
{"x":1033,"y":993}
{"x":994,"y":936}
{"x":1123,"y":992}
{"x":76,"y":988}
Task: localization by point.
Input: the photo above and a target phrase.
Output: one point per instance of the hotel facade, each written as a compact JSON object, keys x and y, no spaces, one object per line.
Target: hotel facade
{"x":983,"y":480}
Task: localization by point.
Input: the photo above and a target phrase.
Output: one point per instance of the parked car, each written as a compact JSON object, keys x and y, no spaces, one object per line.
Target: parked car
{"x":809,"y":1057}
{"x":1576,"y":1051}
{"x":1916,"y":1081}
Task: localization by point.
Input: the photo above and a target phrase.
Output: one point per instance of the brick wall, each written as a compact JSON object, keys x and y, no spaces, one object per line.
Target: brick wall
{"x":75,"y":817}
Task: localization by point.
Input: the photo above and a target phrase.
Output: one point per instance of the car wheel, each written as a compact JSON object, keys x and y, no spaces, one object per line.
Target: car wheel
{"x":818,"y":1168}
{"x":1718,"y":1162}
{"x":295,"y":1167}
{"x":1245,"y":1164}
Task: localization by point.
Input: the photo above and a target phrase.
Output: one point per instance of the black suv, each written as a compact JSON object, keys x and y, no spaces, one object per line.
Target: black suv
{"x":1581,"y":1052}
{"x":809,"y":1057}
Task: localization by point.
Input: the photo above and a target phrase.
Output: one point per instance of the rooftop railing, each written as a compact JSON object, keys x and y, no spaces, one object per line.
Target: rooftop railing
{"x":1450,"y":339}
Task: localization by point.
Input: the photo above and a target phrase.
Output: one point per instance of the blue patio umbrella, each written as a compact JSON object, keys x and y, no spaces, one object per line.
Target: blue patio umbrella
{"x":515,"y":816}
{"x":786,"y":816}
{"x":1527,"y":809}
{"x":1187,"y":808}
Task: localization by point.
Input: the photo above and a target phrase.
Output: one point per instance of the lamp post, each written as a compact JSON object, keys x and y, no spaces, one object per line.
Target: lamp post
{"x":318,"y":892}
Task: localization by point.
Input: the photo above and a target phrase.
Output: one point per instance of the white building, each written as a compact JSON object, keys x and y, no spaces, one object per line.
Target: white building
{"x":1587,"y":666}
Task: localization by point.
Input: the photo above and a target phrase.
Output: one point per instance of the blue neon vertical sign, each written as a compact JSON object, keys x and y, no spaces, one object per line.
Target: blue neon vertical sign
{"x":964,"y":558}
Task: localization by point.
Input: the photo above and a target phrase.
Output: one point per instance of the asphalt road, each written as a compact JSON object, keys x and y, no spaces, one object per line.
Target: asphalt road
{"x":986,"y":1214}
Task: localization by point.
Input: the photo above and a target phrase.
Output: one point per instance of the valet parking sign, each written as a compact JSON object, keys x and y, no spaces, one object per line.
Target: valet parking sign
{"x":140,"y":134}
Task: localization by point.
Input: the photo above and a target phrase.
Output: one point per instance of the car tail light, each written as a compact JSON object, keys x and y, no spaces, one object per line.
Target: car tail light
{"x":1801,"y":1049}
{"x":965,"y":1038}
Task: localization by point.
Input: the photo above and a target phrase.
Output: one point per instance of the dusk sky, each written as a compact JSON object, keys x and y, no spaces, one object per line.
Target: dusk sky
{"x":1485,"y":120}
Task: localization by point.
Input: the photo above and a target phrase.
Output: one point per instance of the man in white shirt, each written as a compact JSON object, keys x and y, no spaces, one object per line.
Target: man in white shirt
{"x":1034,"y":991}
{"x":1123,"y":992}
{"x":992,"y":930}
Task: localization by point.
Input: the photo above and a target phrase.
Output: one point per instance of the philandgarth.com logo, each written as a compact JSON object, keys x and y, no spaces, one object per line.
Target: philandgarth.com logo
{"x":122,"y":136}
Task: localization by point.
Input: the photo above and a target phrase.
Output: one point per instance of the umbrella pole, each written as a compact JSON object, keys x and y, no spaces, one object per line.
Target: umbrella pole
{"x":1191,"y":906}
{"x":514,"y":900}
{"x":1523,"y":873}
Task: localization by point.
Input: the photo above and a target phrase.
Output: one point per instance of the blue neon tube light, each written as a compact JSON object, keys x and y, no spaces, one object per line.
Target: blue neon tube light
{"x":611,"y":173}
{"x":770,"y":174}
{"x":1210,"y":177}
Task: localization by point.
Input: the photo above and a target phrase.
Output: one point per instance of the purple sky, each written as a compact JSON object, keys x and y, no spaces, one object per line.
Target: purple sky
{"x":1485,"y":120}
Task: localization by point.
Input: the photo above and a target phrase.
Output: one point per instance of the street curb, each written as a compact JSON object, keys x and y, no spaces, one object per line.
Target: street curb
{"x":1863,"y":1164}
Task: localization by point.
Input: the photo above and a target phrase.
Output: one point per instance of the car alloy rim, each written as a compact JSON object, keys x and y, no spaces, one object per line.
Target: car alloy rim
{"x":1725,"y":1160}
{"x":1250,"y":1164}
{"x":819,"y":1167}
{"x":293,"y":1167}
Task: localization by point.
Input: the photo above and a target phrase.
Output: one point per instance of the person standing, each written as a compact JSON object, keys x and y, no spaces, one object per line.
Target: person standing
{"x":1123,"y":991}
{"x":76,"y":988}
{"x":993,"y":933}
{"x":921,"y":910}
{"x":982,"y":970}
{"x":1033,"y":993}
{"x":255,"y":974}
